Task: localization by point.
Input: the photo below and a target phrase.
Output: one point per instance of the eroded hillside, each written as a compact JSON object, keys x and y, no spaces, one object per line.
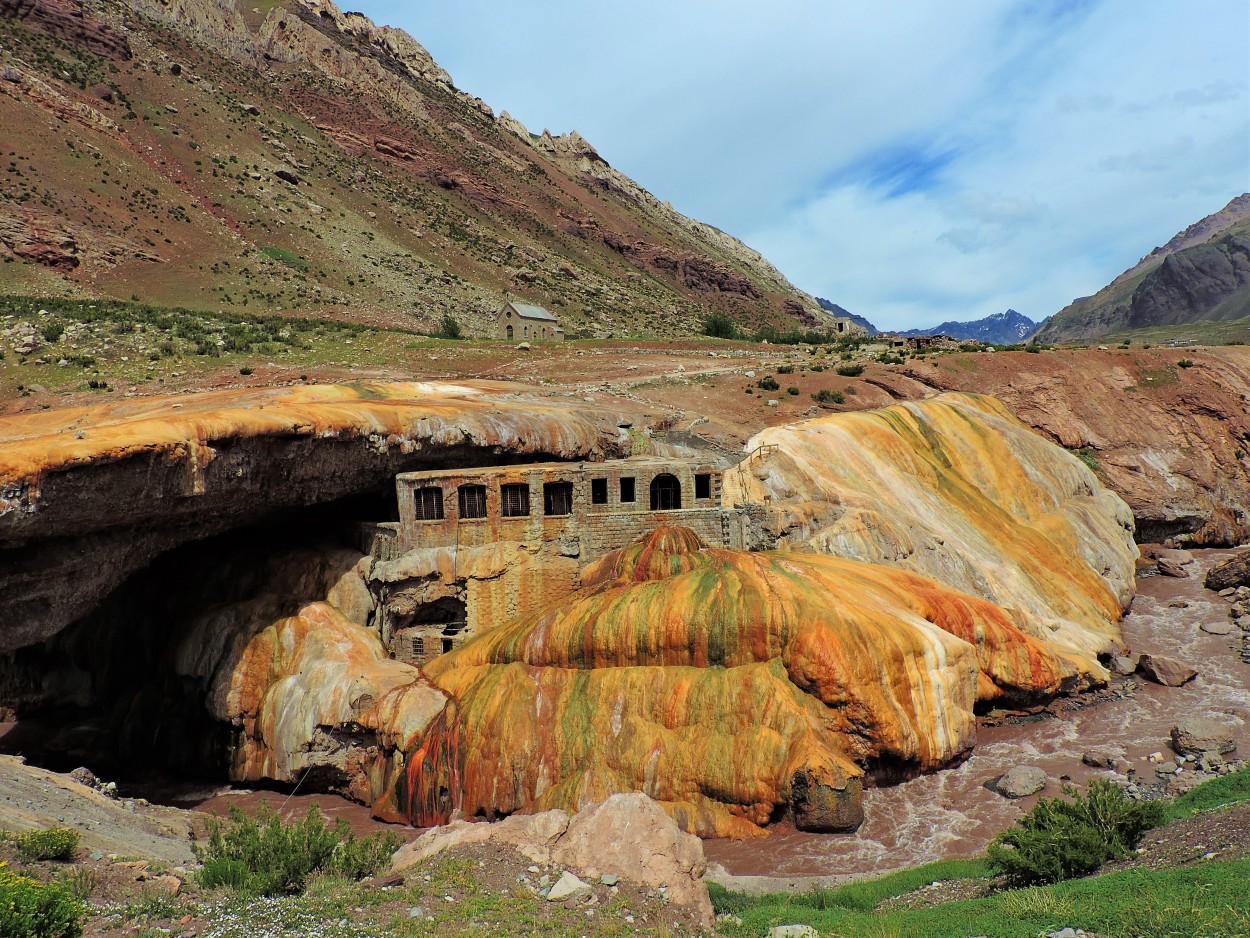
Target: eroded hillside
{"x":290,"y":157}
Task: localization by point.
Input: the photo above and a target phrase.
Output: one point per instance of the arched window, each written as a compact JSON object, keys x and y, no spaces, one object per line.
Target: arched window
{"x":665,"y":493}
{"x":509,"y":330}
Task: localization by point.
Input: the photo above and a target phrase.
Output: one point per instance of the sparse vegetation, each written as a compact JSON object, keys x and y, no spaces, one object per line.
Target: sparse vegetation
{"x":1087,"y":455}
{"x":719,"y":326}
{"x":449,"y":328}
{"x":828,"y":396}
{"x":32,"y":909}
{"x":850,"y":371}
{"x":49,"y":843}
{"x":767,"y":383}
{"x":1066,"y":837}
{"x":266,"y":856}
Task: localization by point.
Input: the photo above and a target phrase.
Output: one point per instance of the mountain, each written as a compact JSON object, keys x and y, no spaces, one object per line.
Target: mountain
{"x":1202,"y":274}
{"x":831,"y":307}
{"x":266,"y":157}
{"x":1001,"y":329}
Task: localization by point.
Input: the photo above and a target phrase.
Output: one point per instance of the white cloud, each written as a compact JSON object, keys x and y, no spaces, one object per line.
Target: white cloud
{"x":911,"y":161}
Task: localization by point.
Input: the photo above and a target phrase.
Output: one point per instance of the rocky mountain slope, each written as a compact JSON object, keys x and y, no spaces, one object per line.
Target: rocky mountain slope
{"x":291,"y":157}
{"x":1006,"y":328}
{"x":1203,"y":273}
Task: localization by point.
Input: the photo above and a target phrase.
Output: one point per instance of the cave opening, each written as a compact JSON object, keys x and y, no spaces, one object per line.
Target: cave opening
{"x":107,"y":692}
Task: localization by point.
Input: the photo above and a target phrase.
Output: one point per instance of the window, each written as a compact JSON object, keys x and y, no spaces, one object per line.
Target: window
{"x":627,"y":490}
{"x":418,"y":648}
{"x":558,"y":498}
{"x":472,"y":501}
{"x":598,"y":491}
{"x":665,"y":493}
{"x":428,"y":503}
{"x":514,"y":500}
{"x":703,"y":486}
{"x":447,"y":645}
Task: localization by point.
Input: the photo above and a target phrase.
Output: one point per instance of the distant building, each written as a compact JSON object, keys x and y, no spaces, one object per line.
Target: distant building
{"x":526,"y":323}
{"x":843,"y":326}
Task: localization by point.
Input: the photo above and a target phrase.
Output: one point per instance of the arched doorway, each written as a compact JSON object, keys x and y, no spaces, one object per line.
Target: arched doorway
{"x":665,"y":493}
{"x":509,"y":330}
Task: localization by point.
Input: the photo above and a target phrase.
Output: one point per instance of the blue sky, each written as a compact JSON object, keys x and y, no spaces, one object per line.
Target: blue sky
{"x":911,"y":161}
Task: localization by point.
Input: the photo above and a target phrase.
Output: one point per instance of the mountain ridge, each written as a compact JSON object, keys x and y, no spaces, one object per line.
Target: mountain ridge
{"x":1006,"y":328}
{"x":1201,"y":274}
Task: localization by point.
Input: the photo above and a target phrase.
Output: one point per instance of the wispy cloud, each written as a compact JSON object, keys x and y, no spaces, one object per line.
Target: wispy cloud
{"x":912,"y":161}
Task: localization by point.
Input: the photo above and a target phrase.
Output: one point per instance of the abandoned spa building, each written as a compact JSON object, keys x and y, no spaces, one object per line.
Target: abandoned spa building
{"x":474,"y":548}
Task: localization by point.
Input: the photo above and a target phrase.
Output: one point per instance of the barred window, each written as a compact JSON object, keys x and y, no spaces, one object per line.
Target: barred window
{"x":665,"y":493}
{"x":418,"y":648}
{"x":472,"y":501}
{"x":514,"y":500}
{"x":558,"y":498}
{"x":598,"y":491}
{"x":428,"y":503}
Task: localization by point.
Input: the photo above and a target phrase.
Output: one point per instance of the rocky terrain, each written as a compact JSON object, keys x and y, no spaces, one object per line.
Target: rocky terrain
{"x":295,"y":158}
{"x":264,"y":658}
{"x":1201,"y":274}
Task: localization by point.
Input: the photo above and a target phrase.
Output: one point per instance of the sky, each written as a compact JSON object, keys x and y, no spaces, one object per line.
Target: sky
{"x":912,"y":161}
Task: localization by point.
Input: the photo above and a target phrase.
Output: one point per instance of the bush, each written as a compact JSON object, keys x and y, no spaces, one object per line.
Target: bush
{"x":826,"y":396}
{"x":785,"y":369}
{"x":767,"y":383}
{"x":719,"y":326}
{"x":51,"y":843}
{"x":792,"y":390}
{"x":850,"y":371}
{"x":449,"y":328}
{"x":1184,"y":363}
{"x":52,"y":331}
{"x":246,"y":370}
{"x":887,"y":359}
{"x":267,"y":856}
{"x":1061,"y":839}
{"x":31,"y":909}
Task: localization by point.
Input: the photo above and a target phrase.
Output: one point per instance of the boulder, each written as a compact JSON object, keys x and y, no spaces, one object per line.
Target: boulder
{"x":569,"y":886}
{"x":1020,"y":781}
{"x":1199,"y":735}
{"x":821,"y":806}
{"x":1230,"y":572}
{"x":1168,"y":567}
{"x":631,"y":836}
{"x":1166,"y":671}
{"x":793,"y":931}
{"x":1121,"y":664}
{"x":1218,"y":628}
{"x":1098,"y":759}
{"x":626,"y":837}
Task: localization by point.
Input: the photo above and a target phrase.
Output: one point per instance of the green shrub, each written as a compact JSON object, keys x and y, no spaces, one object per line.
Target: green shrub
{"x":267,"y":856}
{"x":31,"y":909}
{"x":767,"y":383}
{"x":50,"y":843}
{"x":1061,"y":839}
{"x":1183,"y":363}
{"x":719,"y":326}
{"x":247,"y":370}
{"x":887,"y":359}
{"x":449,"y":328}
{"x":792,"y":390}
{"x":785,"y":369}
{"x":826,"y":396}
{"x":850,"y":371}
{"x":52,"y":331}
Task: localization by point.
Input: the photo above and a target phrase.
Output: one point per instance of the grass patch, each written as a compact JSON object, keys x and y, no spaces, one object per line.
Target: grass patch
{"x":283,"y":256}
{"x":1217,"y":793}
{"x":1207,"y":899}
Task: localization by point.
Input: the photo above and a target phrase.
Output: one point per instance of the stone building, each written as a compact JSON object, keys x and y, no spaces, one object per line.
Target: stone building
{"x":475,"y":548}
{"x":524,"y":322}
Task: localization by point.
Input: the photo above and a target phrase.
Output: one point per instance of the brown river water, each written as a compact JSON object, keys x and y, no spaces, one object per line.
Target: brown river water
{"x":953,"y":813}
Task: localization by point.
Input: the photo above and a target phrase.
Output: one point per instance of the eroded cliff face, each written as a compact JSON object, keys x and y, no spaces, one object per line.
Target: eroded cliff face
{"x":955,"y":488}
{"x":89,"y":495}
{"x":733,"y":687}
{"x":1170,"y":439}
